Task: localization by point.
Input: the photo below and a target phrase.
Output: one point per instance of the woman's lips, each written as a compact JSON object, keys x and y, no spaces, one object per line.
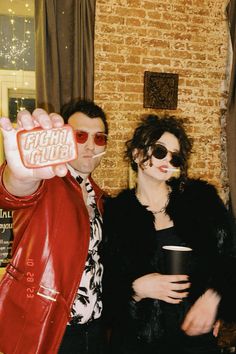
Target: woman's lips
{"x":163,"y":169}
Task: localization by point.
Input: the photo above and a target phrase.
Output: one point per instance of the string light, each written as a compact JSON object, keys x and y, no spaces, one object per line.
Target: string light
{"x":13,"y":50}
{"x":16,"y":51}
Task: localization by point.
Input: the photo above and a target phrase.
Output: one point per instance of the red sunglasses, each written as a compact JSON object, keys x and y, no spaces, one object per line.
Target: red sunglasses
{"x":99,"y":138}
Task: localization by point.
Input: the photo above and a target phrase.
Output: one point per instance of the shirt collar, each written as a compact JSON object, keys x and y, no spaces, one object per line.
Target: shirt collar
{"x":75,"y":174}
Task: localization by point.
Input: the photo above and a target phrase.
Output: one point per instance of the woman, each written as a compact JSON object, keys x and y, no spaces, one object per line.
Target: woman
{"x":149,"y":311}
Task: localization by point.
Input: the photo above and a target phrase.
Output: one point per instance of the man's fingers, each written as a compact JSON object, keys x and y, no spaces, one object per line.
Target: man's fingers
{"x":5,"y":124}
{"x":24,"y":120}
{"x":50,"y":171}
{"x":60,"y":170}
{"x":57,"y":120}
{"x":7,"y":130}
{"x":42,"y":117}
{"x":39,"y":118}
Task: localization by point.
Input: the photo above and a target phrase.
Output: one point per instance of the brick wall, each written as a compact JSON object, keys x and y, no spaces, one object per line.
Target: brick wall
{"x":186,"y":37}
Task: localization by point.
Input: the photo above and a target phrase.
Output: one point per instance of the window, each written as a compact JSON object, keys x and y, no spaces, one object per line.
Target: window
{"x":17,"y":84}
{"x":17,"y":57}
{"x":18,"y":100}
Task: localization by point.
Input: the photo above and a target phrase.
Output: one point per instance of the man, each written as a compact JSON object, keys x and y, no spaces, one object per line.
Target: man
{"x":50,"y":296}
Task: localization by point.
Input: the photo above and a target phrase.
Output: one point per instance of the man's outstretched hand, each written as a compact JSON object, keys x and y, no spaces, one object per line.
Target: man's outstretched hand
{"x":18,"y":179}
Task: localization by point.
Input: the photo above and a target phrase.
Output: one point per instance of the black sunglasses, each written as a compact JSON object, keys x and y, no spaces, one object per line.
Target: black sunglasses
{"x":160,"y":151}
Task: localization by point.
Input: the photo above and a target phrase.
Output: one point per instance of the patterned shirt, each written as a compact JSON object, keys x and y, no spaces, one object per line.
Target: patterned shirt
{"x":88,"y":304}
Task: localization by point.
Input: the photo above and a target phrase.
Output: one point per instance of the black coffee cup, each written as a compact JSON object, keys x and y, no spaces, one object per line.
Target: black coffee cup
{"x":177,"y":259}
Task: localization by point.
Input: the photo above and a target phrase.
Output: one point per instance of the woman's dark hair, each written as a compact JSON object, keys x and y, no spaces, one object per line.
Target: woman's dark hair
{"x":151,"y":128}
{"x":88,"y":107}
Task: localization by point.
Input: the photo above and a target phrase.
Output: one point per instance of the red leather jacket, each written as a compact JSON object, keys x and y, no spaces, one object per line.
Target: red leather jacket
{"x":51,"y":238}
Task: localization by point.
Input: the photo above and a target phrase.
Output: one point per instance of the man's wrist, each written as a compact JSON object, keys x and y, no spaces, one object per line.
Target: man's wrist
{"x":18,"y":187}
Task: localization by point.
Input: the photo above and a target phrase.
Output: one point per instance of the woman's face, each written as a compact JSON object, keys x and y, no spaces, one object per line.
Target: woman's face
{"x":159,"y":166}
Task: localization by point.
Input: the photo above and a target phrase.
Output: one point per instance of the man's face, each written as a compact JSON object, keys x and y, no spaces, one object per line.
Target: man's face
{"x":85,"y":163}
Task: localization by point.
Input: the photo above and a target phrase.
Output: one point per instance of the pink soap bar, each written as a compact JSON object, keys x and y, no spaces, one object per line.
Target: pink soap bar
{"x":39,"y":147}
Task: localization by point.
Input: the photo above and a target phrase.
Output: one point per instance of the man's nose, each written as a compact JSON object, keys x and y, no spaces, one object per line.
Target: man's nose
{"x":90,"y":142}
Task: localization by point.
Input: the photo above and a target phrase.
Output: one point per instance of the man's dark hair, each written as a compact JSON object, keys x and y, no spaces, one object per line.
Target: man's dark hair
{"x":87,"y":107}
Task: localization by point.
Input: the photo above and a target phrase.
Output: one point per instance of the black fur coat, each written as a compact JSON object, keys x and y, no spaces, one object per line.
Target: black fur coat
{"x":201,"y":222}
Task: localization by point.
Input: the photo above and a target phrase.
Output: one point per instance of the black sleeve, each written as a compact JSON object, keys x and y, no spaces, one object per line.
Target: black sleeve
{"x":223,"y":278}
{"x":211,"y":231}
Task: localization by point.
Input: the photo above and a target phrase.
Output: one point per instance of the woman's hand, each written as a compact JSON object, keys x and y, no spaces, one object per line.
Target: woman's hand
{"x":161,"y":287}
{"x":201,"y":317}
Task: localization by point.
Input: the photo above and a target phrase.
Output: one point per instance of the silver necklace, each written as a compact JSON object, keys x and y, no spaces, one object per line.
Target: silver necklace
{"x":159,"y":211}
{"x":163,"y":209}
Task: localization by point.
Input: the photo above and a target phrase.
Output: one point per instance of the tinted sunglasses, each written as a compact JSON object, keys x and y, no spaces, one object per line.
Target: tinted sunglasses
{"x":160,"y":152}
{"x":81,"y":137}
